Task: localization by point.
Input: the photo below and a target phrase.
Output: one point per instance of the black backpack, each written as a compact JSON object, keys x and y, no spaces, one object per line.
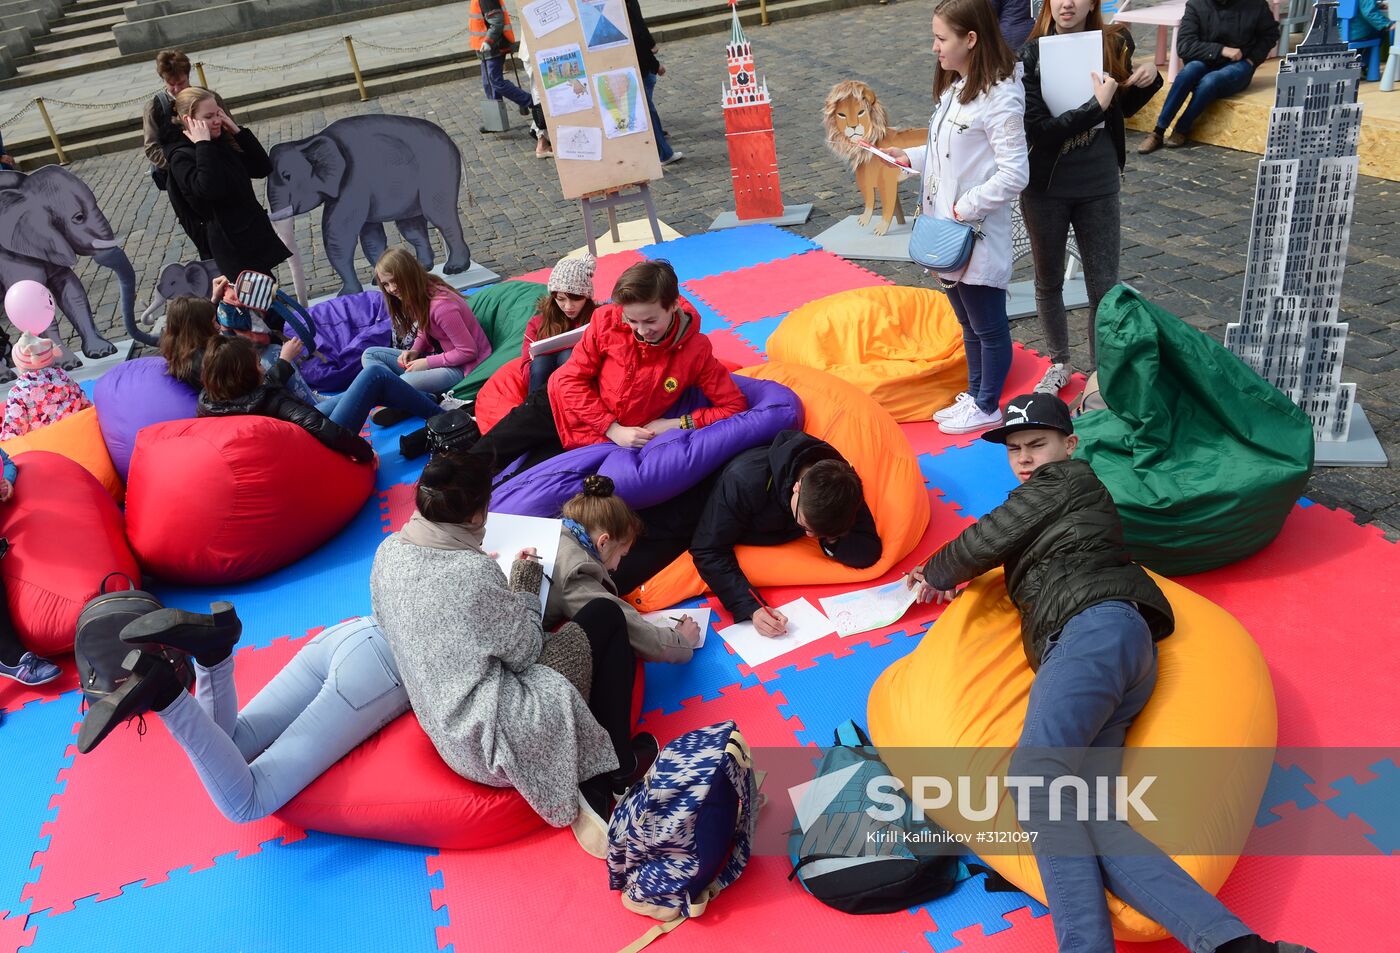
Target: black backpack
{"x":97,"y":645}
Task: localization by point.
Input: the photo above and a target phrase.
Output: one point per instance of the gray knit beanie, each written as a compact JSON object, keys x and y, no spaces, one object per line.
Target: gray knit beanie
{"x":573,"y":276}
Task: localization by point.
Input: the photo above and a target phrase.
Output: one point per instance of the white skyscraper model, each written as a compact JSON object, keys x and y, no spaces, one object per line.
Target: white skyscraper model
{"x":1288,"y":329}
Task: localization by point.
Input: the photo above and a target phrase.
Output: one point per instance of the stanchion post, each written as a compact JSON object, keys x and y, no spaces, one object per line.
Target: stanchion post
{"x":763,"y":12}
{"x":53,"y":134}
{"x":203,"y":81}
{"x":355,"y":65}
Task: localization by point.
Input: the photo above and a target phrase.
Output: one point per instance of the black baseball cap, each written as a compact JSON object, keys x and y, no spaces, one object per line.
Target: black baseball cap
{"x":1029,"y":411}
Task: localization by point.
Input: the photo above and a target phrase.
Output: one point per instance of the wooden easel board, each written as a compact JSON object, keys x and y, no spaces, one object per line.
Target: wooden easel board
{"x":626,"y":159}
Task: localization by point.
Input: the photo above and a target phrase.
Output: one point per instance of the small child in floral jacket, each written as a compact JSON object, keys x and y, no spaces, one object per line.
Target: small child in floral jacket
{"x":42,"y":394}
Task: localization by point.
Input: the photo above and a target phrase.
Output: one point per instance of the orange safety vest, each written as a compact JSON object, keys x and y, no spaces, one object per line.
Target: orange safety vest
{"x":477,"y":27}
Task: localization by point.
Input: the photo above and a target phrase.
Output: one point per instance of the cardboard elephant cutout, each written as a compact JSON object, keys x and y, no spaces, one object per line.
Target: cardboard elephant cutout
{"x":48,"y":219}
{"x":177,"y":278}
{"x":368,"y":170}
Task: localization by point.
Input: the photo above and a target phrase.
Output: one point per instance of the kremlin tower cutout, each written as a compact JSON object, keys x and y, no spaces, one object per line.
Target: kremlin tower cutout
{"x":748,"y":128}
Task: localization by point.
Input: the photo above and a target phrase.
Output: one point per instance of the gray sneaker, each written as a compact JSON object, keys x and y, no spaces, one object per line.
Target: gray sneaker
{"x":1054,"y":380}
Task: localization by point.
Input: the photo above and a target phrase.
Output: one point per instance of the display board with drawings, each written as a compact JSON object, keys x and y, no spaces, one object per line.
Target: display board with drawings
{"x":592,"y":93}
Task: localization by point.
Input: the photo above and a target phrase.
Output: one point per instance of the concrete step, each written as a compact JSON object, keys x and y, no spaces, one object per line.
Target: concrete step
{"x":101,"y":26}
{"x":50,"y":49}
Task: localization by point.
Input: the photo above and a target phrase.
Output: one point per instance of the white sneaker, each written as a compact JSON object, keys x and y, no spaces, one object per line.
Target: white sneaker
{"x":951,"y":409}
{"x":1055,"y":379}
{"x":676,"y":156}
{"x":969,"y":418}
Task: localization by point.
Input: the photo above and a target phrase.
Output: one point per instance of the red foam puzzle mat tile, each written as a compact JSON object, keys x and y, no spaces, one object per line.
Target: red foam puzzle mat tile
{"x":730,"y":347}
{"x":133,"y":809}
{"x":604,"y":276}
{"x":397,"y":504}
{"x":776,"y":287}
{"x":1320,"y":601}
{"x":14,"y":696}
{"x":754,"y":710}
{"x":13,"y":933}
{"x":501,"y":899}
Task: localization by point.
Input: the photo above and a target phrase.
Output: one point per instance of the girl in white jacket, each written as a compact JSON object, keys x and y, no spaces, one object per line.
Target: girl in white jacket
{"x":973,"y":168}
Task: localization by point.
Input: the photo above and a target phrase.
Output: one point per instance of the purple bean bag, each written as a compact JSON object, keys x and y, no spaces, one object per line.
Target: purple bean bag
{"x":135,"y":394}
{"x":664,"y":468}
{"x":344,"y":328}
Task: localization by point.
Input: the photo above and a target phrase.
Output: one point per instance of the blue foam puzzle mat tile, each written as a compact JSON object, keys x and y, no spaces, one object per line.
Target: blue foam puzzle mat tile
{"x":710,"y":253}
{"x":1286,"y":786}
{"x":832,"y":689}
{"x":321,"y":893}
{"x":34,"y":748}
{"x":1373,"y":802}
{"x":970,"y":905}
{"x":710,"y":319}
{"x":712,"y":669}
{"x":1304,"y":502}
{"x":756,"y":333}
{"x":974,"y":478}
{"x":321,"y":589}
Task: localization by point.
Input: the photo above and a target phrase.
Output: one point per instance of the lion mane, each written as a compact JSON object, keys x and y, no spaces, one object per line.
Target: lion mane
{"x":852,"y":106}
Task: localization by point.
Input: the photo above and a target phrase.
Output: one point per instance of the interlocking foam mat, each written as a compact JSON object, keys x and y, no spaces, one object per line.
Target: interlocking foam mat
{"x":121,"y":849}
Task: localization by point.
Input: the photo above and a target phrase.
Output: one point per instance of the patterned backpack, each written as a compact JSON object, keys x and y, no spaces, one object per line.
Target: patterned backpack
{"x":683,"y":833}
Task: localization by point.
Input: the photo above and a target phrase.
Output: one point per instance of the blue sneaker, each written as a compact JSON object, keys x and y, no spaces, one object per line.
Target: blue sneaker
{"x":31,"y":669}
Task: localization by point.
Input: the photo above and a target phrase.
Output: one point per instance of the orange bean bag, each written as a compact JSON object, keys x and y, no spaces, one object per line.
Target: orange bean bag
{"x":956,"y":706}
{"x":902,"y":346}
{"x":79,"y":438}
{"x":65,"y":535}
{"x":502,"y":393}
{"x":868,"y":437}
{"x":396,"y":787}
{"x":223,"y":499}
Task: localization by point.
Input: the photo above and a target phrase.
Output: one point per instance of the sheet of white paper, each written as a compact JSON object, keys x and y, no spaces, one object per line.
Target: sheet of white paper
{"x":805,"y":624}
{"x":864,"y":609}
{"x":507,"y":534}
{"x":546,"y":16}
{"x":604,"y":24}
{"x":560,"y":341}
{"x":888,"y":158}
{"x":1066,"y":60}
{"x":565,"y":79}
{"x":579,"y":142}
{"x":622,"y":101}
{"x":667,"y":618}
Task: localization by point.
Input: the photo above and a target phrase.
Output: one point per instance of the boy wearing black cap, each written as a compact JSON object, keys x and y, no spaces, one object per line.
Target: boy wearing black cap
{"x":1090,"y":618}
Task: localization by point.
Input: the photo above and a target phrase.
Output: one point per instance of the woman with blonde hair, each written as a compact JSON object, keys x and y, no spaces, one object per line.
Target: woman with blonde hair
{"x":447,"y":341}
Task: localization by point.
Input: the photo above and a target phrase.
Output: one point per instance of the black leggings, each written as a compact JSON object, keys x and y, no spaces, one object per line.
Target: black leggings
{"x":614,"y":671}
{"x":669,"y":528}
{"x":528,"y":429}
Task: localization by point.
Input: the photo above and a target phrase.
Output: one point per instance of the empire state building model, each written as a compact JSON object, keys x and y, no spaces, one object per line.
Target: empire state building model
{"x":748,"y":128}
{"x":1288,"y":329}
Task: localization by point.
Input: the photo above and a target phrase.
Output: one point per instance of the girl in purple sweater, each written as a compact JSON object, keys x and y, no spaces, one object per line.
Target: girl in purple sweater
{"x":448,"y":342}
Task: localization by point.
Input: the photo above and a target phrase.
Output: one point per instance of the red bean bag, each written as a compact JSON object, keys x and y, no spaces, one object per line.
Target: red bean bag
{"x":65,"y":535}
{"x":224,"y":499}
{"x":502,"y":393}
{"x":395,"y":787}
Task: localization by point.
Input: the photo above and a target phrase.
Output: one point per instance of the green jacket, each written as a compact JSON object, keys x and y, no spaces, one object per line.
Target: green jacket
{"x":1060,"y":539}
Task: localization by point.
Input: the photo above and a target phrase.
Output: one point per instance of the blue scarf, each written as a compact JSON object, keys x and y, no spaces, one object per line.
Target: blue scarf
{"x":584,"y":540}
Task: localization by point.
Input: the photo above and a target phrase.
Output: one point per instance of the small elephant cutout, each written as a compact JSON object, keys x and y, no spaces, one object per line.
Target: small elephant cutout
{"x":180,"y":278}
{"x":368,"y":170}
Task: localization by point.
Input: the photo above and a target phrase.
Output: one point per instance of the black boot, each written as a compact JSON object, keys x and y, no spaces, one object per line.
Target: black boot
{"x":209,"y":638}
{"x":153,"y":685}
{"x":644,"y":751}
{"x":414,"y":445}
{"x":388,"y":416}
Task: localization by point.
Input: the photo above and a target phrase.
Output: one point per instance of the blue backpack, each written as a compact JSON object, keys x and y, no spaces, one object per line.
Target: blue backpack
{"x":683,"y":832}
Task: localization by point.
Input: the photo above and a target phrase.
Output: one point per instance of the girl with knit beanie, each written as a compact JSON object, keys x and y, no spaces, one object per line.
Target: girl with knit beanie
{"x":568,"y":305}
{"x":42,"y":393}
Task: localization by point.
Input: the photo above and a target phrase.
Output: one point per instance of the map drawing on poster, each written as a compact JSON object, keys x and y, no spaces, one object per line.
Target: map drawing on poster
{"x":622,"y":103}
{"x":546,"y":16}
{"x":565,"y":79}
{"x":604,"y":24}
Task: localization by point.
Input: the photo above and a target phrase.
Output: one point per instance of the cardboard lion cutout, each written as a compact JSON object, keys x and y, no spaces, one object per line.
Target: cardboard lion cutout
{"x":852,"y":112}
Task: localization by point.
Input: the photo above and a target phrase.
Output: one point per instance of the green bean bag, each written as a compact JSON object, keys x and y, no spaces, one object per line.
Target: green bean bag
{"x":1203,"y":457}
{"x":503,"y":310}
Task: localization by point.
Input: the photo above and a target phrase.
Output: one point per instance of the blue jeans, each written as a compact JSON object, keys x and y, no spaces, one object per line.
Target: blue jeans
{"x":342,"y":687}
{"x":663,"y":147}
{"x":297,"y":385}
{"x":437,"y":380}
{"x":981,"y":311}
{"x":495,"y":84}
{"x":1096,"y":674}
{"x":1208,"y":85}
{"x":544,"y":365}
{"x":376,"y":386}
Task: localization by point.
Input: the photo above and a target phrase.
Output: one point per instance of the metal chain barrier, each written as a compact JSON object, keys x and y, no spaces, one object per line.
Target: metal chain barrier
{"x":275,"y":67}
{"x":414,"y":49}
{"x":22,"y":110}
{"x":144,"y":97}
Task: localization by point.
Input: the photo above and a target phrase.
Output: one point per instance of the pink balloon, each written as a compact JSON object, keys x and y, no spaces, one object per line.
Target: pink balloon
{"x":30,"y":306}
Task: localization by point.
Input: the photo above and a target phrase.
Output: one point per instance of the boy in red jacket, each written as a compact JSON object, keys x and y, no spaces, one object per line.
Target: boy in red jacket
{"x":638,"y":355}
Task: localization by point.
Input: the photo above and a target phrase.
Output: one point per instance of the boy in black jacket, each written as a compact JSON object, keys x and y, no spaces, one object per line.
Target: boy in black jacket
{"x":1090,"y":618}
{"x":796,"y":486}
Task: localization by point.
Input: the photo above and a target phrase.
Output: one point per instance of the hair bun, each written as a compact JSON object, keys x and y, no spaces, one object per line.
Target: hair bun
{"x":598,"y":485}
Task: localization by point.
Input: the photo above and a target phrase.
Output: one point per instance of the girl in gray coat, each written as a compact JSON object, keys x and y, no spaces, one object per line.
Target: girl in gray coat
{"x":471,"y":648}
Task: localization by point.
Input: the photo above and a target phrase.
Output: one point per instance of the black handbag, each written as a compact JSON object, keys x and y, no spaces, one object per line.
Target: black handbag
{"x":451,"y":431}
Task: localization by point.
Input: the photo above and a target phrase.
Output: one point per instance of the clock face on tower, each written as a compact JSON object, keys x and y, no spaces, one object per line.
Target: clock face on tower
{"x":742,"y":78}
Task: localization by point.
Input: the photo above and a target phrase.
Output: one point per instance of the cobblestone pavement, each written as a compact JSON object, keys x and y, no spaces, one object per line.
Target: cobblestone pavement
{"x":1185,"y":222}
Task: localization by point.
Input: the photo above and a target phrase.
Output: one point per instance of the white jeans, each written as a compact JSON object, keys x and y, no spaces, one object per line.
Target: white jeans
{"x":340,"y":689}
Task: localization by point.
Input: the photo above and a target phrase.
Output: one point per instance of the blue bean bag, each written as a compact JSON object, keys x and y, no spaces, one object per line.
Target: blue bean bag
{"x":344,"y":328}
{"x":135,"y":394}
{"x":664,"y":468}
